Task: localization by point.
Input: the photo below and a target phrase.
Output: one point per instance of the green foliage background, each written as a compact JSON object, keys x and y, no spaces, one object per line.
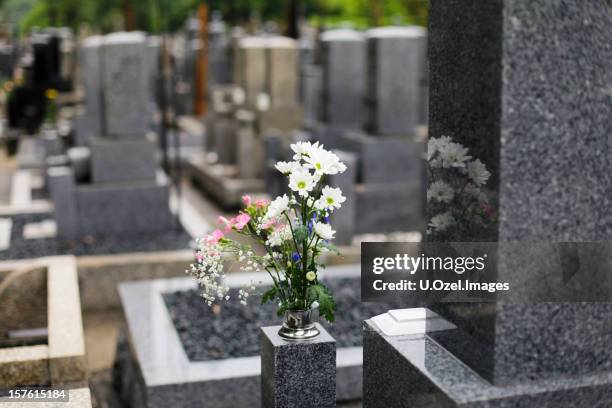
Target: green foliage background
{"x":169,"y":15}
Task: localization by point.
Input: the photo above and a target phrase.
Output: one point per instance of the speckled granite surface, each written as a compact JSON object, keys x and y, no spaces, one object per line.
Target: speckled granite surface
{"x":297,"y":374}
{"x":415,"y":371}
{"x":525,"y":84}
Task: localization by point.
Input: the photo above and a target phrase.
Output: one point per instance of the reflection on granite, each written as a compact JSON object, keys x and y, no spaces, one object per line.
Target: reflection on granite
{"x":153,"y":363}
{"x":415,"y":371}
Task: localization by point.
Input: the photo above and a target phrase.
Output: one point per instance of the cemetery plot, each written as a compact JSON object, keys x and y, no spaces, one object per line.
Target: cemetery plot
{"x":41,"y":339}
{"x":168,"y":358}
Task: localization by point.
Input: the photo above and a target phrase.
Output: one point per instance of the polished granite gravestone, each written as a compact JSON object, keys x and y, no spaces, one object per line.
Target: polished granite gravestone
{"x":505,"y":80}
{"x":172,"y":357}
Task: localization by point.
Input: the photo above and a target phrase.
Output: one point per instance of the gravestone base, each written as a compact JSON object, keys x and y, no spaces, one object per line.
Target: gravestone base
{"x":123,"y":159}
{"x":281,"y":118}
{"x":220,"y":181}
{"x":297,"y":374}
{"x":414,"y":371}
{"x":389,"y":207}
{"x":385,"y":159}
{"x":128,"y":208}
{"x":328,"y":134}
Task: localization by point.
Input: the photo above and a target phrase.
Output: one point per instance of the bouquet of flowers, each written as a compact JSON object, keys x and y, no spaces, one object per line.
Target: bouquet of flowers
{"x":457,"y":206}
{"x":293,"y":231}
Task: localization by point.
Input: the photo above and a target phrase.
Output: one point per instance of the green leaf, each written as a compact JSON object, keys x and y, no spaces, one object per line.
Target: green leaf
{"x":321,"y":294}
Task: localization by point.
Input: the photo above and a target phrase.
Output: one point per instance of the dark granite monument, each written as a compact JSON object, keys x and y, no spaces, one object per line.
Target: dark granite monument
{"x":524,"y":85}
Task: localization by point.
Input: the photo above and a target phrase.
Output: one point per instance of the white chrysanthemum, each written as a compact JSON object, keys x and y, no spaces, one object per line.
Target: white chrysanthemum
{"x":302,"y":182}
{"x":478,"y":172}
{"x":440,"y":191}
{"x":441,"y":222}
{"x":279,"y":236}
{"x":324,"y":231}
{"x":277,"y":207}
{"x":322,"y":161}
{"x":287,"y":167}
{"x":330,"y":198}
{"x":341,"y":167}
{"x":303,"y":149}
{"x":453,"y":155}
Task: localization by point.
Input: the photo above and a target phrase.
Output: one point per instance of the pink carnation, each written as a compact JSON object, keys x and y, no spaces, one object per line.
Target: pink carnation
{"x":214,"y":237}
{"x":241,"y":220}
{"x":268,"y":224}
{"x":246,"y":199}
{"x":261,"y":203}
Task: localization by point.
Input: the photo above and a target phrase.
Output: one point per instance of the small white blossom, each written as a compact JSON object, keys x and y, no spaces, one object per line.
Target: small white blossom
{"x":302,"y":182}
{"x":287,"y":167}
{"x":322,"y":161}
{"x":330,"y":198}
{"x":277,"y":207}
{"x":279,"y":236}
{"x":303,"y":149}
{"x":324,"y":231}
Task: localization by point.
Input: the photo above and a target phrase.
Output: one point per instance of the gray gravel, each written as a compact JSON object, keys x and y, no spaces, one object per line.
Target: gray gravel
{"x":21,"y":248}
{"x":234,"y":331}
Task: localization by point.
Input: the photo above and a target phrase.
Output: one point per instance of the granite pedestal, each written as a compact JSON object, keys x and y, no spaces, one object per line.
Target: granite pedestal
{"x":297,"y":374}
{"x":61,"y":185}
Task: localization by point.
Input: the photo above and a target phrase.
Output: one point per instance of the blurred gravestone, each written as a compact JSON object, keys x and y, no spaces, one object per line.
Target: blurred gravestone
{"x":125,"y":80}
{"x":396,"y":68}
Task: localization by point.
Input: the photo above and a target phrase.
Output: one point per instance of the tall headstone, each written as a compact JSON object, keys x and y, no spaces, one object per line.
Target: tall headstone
{"x":282,"y":71}
{"x":251,"y":67}
{"x":343,"y":57}
{"x":395,"y":75}
{"x":506,"y":78}
{"x":125,"y":80}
